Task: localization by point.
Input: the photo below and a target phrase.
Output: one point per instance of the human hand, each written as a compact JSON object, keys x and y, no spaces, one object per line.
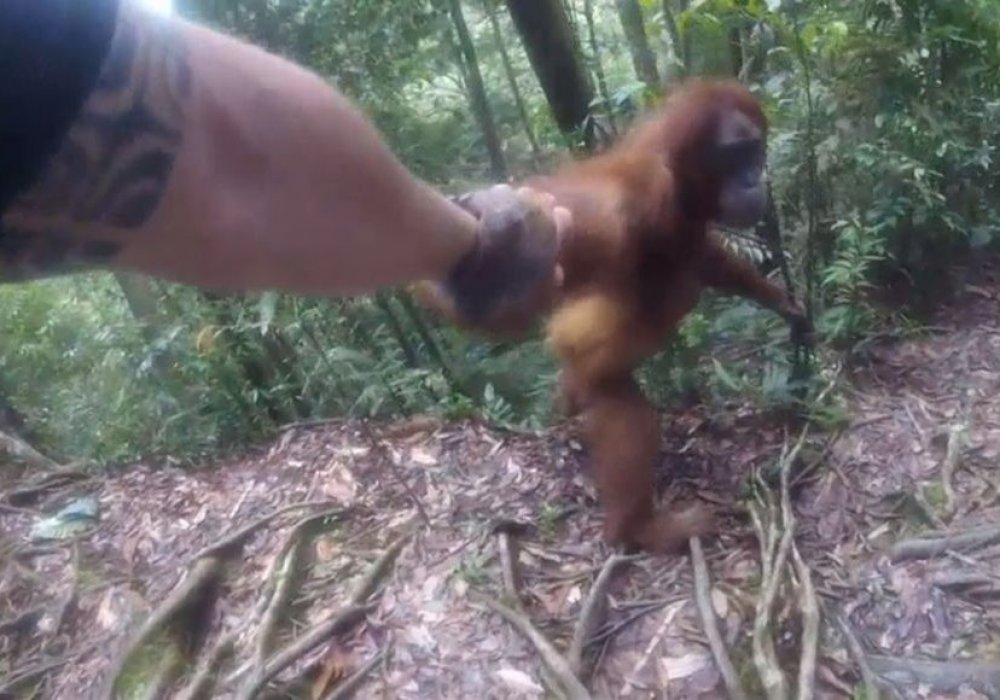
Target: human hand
{"x":512,"y":273}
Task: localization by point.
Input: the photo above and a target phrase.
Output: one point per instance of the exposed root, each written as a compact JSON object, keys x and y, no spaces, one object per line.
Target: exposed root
{"x":337,"y":623}
{"x":952,"y":459}
{"x":775,"y":553}
{"x":554,"y":662}
{"x":288,"y":577}
{"x":703,"y":597}
{"x":928,"y":547}
{"x":177,"y":628}
{"x":239,"y":538}
{"x":202,"y":683}
{"x":593,"y":612}
{"x":370,"y":581}
{"x":809,"y":608}
{"x":507,"y":551}
{"x":54,"y":479}
{"x":856,"y":650}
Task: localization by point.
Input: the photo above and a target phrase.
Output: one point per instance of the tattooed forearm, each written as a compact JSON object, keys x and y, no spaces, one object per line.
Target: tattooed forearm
{"x":108,"y":176}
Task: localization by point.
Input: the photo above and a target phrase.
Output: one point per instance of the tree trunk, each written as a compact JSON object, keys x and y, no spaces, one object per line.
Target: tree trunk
{"x":598,"y":66}
{"x":508,"y":68}
{"x":551,"y":47}
{"x":643,"y":59}
{"x":477,"y":93}
{"x":679,"y":43}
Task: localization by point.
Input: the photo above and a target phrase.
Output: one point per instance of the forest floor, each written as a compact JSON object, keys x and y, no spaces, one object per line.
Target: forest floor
{"x":464,"y":497}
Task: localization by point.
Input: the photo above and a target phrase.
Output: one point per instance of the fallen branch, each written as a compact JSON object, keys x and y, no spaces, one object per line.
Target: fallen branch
{"x":703,"y":598}
{"x":592,"y":612}
{"x":549,"y":655}
{"x":926,"y":548}
{"x":941,"y":676}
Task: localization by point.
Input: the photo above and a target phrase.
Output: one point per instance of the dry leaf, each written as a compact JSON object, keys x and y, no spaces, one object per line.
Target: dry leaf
{"x":421,"y":456}
{"x":720,"y":603}
{"x":325,"y":548}
{"x":677,"y":667}
{"x":575,"y":595}
{"x":107,"y":616}
{"x":519,"y":681}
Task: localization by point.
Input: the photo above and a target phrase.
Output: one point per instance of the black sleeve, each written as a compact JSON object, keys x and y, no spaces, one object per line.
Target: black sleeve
{"x":51,"y":53}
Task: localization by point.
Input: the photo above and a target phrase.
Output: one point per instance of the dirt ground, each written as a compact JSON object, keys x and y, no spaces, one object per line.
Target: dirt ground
{"x":925,"y":625}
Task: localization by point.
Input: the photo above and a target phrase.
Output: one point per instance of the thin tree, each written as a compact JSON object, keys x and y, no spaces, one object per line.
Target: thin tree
{"x":508,"y":67}
{"x":596,"y":63}
{"x":476,"y":90}
{"x":643,"y":59}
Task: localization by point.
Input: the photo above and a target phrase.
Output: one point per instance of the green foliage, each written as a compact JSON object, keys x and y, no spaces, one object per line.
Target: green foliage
{"x":885,"y":127}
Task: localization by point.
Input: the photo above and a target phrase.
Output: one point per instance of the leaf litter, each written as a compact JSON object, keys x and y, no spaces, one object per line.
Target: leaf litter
{"x":318,"y":608}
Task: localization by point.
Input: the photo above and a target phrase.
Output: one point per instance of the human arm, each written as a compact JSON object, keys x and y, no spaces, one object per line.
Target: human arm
{"x":199,"y":158}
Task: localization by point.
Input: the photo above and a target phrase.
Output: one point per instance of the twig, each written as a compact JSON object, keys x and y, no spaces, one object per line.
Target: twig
{"x":22,"y":623}
{"x":551,"y":658}
{"x":854,"y":647}
{"x":703,"y":597}
{"x":350,"y":685}
{"x":592,"y":612}
{"x":807,"y":594}
{"x":383,"y":454}
{"x":926,"y":548}
{"x":14,"y":682}
{"x":765,"y":657}
{"x":952,"y":457}
{"x":654,"y":641}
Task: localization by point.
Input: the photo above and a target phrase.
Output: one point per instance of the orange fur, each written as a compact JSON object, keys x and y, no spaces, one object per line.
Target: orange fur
{"x":635,"y":264}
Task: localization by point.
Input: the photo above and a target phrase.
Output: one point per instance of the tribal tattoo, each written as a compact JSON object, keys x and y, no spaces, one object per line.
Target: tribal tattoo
{"x":109,"y":174}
